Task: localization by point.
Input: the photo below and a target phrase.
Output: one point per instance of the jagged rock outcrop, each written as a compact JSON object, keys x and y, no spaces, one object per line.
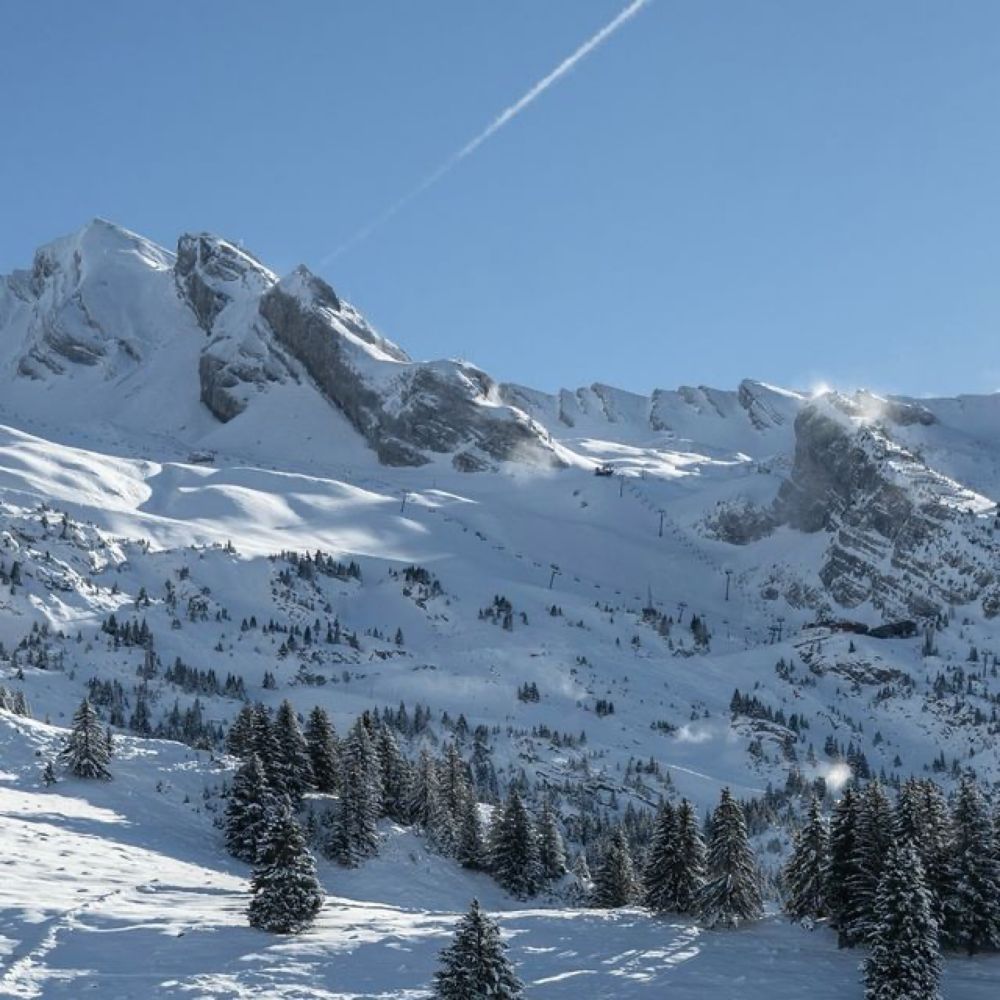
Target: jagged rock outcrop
{"x":740,"y":522}
{"x":221,"y":284}
{"x":403,"y":409}
{"x":205,"y":265}
{"x":901,"y":535}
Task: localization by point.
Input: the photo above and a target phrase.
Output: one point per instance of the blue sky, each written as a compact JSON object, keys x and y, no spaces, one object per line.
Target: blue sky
{"x":800,"y":192}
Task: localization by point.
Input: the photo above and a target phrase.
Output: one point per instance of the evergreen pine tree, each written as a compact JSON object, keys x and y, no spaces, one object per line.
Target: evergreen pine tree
{"x":355,"y":834}
{"x":249,"y":809}
{"x":484,"y":774}
{"x":874,"y":834}
{"x":324,"y":756}
{"x":453,"y":777}
{"x":908,"y":814}
{"x":731,"y":893}
{"x":687,"y":874}
{"x":140,"y":722}
{"x":551,"y":851}
{"x":439,"y":826}
{"x":806,"y":871}
{"x":395,"y":774}
{"x":265,"y":744}
{"x":974,"y":908}
{"x":904,"y":963}
{"x":424,"y":776}
{"x":843,"y":866}
{"x":240,"y":737}
{"x":287,"y":894}
{"x":470,"y":847}
{"x":295,"y":764}
{"x":922,"y":820}
{"x":614,"y":881}
{"x":513,"y":848}
{"x":657,"y":876}
{"x":475,"y":965}
{"x":86,"y":750}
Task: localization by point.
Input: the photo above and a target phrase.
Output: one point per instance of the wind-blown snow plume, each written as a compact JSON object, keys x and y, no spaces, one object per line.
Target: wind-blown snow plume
{"x":498,"y":123}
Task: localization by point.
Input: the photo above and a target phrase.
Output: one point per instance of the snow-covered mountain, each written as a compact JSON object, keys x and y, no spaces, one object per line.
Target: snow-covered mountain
{"x":207,"y":350}
{"x":178,"y":344}
{"x":177,"y":432}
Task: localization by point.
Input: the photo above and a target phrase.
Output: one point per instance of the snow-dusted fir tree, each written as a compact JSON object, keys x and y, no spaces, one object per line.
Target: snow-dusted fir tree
{"x":287,"y":895}
{"x":264,"y":743}
{"x":551,"y":850}
{"x":470,"y":845}
{"x":295,"y":762}
{"x":395,"y":774}
{"x":324,"y":757}
{"x":475,"y":965}
{"x":974,"y":909}
{"x":657,"y":875}
{"x":731,"y":893}
{"x":921,"y":818}
{"x":453,"y":778}
{"x":614,"y":881}
{"x":140,"y":721}
{"x":424,"y":776}
{"x":908,"y":813}
{"x":687,"y":876}
{"x":249,"y":810}
{"x":86,"y":751}
{"x":935,"y":848}
{"x":513,"y":848}
{"x":240,"y":737}
{"x":843,"y":866}
{"x":439,"y":826}
{"x":904,"y":963}
{"x":355,"y":835}
{"x":874,"y":835}
{"x":806,"y":871}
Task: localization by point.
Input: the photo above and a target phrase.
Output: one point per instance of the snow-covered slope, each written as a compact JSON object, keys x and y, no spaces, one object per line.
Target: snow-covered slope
{"x":123,"y":891}
{"x":177,"y":430}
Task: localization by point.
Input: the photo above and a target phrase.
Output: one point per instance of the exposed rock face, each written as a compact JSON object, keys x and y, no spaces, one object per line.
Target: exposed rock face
{"x":894,"y":523}
{"x":202,"y":264}
{"x":829,"y":470}
{"x":740,"y":522}
{"x":216,"y":280}
{"x":404,"y":410}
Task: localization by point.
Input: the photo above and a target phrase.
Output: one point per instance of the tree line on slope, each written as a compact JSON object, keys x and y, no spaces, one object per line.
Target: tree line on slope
{"x":904,"y":879}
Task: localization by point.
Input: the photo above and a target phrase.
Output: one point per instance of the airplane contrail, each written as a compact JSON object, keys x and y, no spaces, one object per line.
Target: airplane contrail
{"x":494,"y":126}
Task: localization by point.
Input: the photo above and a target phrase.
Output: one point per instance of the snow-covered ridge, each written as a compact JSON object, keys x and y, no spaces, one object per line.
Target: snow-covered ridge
{"x":108,"y":326}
